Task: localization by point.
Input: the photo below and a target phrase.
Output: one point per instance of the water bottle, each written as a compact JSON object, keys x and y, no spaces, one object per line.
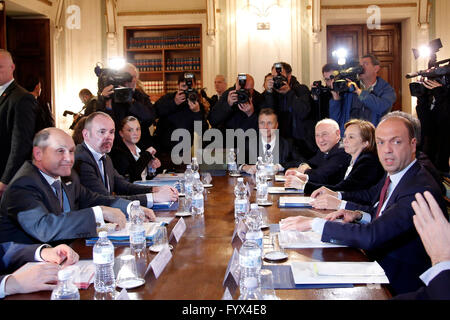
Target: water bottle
{"x":260,"y":172}
{"x":268,"y":162}
{"x":137,"y":230}
{"x":197,"y":196}
{"x":104,"y":264}
{"x":262,"y":190}
{"x":254,"y":222}
{"x":241,"y":203}
{"x":66,"y":289}
{"x":231,"y":162}
{"x":250,"y":266}
{"x":188,"y":181}
{"x":194,"y":165}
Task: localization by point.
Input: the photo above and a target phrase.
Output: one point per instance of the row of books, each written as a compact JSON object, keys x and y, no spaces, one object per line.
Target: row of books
{"x":153,"y":87}
{"x":148,"y":64}
{"x":177,"y":64}
{"x":157,"y":87}
{"x":178,"y":41}
{"x":180,"y":64}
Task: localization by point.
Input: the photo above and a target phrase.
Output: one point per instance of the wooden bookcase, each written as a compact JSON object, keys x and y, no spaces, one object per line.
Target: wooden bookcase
{"x":162,"y":53}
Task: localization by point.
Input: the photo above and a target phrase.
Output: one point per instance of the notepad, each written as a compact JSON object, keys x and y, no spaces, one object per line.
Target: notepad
{"x":337,"y":272}
{"x":280,"y":178}
{"x":295,"y":202}
{"x":299,"y":240}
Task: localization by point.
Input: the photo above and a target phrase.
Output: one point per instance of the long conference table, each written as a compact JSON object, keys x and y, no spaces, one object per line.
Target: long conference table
{"x":200,"y":258}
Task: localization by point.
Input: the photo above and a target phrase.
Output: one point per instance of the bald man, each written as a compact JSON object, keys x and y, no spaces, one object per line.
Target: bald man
{"x":329,"y":163}
{"x":45,"y":202}
{"x":17,"y":122}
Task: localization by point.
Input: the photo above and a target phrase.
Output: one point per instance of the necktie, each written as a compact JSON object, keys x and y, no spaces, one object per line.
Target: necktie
{"x":383,"y":193}
{"x":105,"y":176}
{"x":267,"y":146}
{"x":57,"y":186}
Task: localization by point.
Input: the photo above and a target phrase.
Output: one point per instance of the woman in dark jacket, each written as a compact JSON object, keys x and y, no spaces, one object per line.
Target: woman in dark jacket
{"x":364,"y":170}
{"x":128,"y":159}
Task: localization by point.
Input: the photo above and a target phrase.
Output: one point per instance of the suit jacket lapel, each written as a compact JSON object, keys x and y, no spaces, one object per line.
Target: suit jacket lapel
{"x":6,"y":93}
{"x":91,"y":157}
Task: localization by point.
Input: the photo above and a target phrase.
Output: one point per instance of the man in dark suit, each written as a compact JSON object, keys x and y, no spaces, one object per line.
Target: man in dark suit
{"x":96,"y":169}
{"x":330,"y":163}
{"x":34,"y":278}
{"x":17,"y":122}
{"x":385,"y":230}
{"x":283,"y":153}
{"x":45,"y":201}
{"x":434,"y":230}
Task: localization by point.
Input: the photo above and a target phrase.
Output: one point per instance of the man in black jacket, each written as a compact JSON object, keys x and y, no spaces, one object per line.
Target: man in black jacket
{"x":139,"y":107}
{"x":176,"y":111}
{"x":292,"y":102}
{"x":17,"y":122}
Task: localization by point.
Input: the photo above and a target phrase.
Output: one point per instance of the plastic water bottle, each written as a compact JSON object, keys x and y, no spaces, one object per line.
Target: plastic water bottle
{"x":194,"y":165}
{"x":250,"y":266}
{"x":231,"y":162}
{"x":254,"y":222}
{"x":104,"y":264}
{"x":262,"y":190}
{"x":188,"y":181}
{"x":241,"y":203}
{"x":198,"y":205}
{"x":250,"y":290}
{"x":260,"y":170}
{"x":66,"y":289}
{"x":137,"y":230}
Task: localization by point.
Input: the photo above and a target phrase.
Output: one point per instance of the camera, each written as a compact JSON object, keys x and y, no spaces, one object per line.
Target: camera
{"x":243,"y":94}
{"x":351,"y":73}
{"x":118,"y":79}
{"x":191,"y":93}
{"x":318,"y":89}
{"x":436,"y":71}
{"x":279,"y":79}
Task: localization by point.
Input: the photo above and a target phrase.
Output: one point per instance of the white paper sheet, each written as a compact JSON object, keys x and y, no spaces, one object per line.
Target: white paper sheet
{"x":298,"y":240}
{"x":283,"y":190}
{"x":295,"y":200}
{"x":337,"y":272}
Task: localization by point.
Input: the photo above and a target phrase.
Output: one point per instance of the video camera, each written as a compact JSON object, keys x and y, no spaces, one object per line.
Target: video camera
{"x":279,"y":79}
{"x":190,"y":92}
{"x":318,"y":89}
{"x":340,"y":79}
{"x":118,"y":79}
{"x":243,"y":94}
{"x":436,"y":70}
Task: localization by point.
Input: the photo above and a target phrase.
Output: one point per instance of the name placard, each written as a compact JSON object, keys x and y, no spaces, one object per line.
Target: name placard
{"x":178,"y":229}
{"x":160,"y":261}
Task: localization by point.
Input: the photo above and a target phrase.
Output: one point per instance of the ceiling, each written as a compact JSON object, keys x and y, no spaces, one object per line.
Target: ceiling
{"x":15,"y":10}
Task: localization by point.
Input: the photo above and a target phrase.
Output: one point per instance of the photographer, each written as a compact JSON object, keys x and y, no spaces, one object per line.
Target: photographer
{"x":370,"y":102}
{"x":238,"y":106}
{"x":119,"y":103}
{"x":292,"y":103}
{"x":433,"y":112}
{"x":322,"y":94}
{"x":178,"y":110}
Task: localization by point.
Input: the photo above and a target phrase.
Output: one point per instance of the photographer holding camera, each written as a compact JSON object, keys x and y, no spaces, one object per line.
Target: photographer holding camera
{"x":238,"y":107}
{"x":119,"y":97}
{"x":292,"y":103}
{"x":370,"y":100}
{"x":433,"y":111}
{"x":322,"y":94}
{"x":178,"y":110}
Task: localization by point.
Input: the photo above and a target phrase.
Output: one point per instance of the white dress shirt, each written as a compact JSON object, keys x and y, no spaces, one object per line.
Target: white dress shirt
{"x":37,"y":257}
{"x":5,"y":86}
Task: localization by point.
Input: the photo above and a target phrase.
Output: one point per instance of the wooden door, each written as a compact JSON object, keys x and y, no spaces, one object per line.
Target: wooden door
{"x":384,"y":43}
{"x":29,"y":44}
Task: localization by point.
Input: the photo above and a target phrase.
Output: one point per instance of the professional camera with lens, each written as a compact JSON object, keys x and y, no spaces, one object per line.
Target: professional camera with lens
{"x":438,"y":71}
{"x":340,"y":79}
{"x":318,"y":89}
{"x":190,"y":92}
{"x":279,"y":79}
{"x":243,"y":94}
{"x":118,"y":79}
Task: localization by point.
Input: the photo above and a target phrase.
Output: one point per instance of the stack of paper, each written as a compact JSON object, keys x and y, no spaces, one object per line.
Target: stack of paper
{"x":299,"y":240}
{"x":122,"y":237}
{"x":295,"y":202}
{"x":337,"y":272}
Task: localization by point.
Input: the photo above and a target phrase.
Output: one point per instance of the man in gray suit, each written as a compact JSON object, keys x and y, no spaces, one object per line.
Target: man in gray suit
{"x":17,"y":122}
{"x":45,"y":201}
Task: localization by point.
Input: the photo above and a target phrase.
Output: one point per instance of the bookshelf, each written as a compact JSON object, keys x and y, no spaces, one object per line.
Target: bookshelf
{"x":162,"y":53}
